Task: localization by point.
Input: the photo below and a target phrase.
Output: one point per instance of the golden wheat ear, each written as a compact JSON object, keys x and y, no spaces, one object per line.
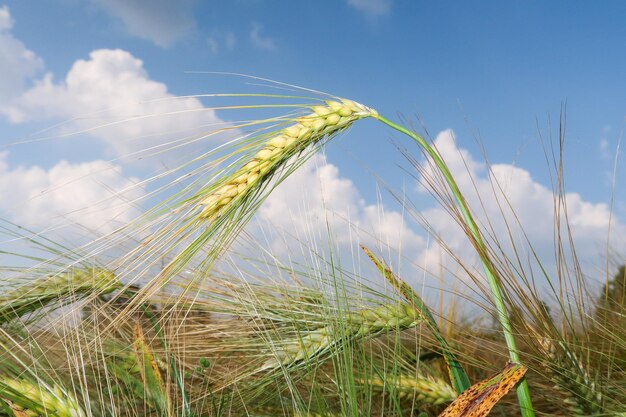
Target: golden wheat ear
{"x":200,"y":222}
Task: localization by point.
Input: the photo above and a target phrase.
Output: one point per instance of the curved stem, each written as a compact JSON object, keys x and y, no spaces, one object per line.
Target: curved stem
{"x":523,"y":393}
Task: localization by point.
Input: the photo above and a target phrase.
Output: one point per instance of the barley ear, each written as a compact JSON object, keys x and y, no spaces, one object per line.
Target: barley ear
{"x":154,"y":386}
{"x":424,"y":389}
{"x":324,"y":121}
{"x":570,"y":376}
{"x":32,"y":399}
{"x":32,"y":296}
{"x":457,"y":373}
{"x":359,"y":324}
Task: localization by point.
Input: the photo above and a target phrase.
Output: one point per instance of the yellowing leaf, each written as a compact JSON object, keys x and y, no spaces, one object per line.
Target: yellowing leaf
{"x":154,"y":388}
{"x":480,"y":398}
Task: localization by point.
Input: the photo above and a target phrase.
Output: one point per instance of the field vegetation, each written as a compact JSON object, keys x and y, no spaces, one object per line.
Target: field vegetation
{"x":176,"y":322}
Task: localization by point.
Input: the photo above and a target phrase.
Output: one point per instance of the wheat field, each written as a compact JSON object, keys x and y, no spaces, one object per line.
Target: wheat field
{"x":164,"y":317}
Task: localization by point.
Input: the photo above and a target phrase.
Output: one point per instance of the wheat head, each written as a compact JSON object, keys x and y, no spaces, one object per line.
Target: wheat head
{"x":425,"y":389}
{"x":570,"y":376}
{"x":324,"y":121}
{"x":34,"y":400}
{"x":32,"y":296}
{"x":359,"y":324}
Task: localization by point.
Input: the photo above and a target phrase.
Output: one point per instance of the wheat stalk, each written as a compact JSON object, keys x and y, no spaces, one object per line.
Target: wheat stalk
{"x":324,"y":121}
{"x":425,"y":389}
{"x":32,"y":296}
{"x":34,"y":400}
{"x":359,"y":324}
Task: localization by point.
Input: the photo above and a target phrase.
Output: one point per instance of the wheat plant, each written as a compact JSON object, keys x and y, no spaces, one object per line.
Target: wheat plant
{"x":173,"y":323}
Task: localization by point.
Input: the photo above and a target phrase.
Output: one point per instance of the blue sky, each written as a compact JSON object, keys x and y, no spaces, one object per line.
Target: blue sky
{"x":496,"y":73}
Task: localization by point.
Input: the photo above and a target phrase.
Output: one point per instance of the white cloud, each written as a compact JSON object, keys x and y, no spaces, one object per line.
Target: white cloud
{"x":213,"y":45}
{"x":111,"y":96}
{"x":6,"y":21}
{"x":316,"y":200}
{"x":17,"y":63}
{"x":95,"y":195}
{"x":260,"y":41}
{"x":160,"y":21}
{"x":221,"y":39}
{"x":518,"y":197}
{"x":372,"y":8}
{"x":110,"y":88}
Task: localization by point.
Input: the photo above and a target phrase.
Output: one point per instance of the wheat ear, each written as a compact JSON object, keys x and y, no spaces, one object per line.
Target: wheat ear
{"x":359,"y":324}
{"x":324,"y":121}
{"x":570,"y":376}
{"x":425,"y":389}
{"x":30,"y":297}
{"x":34,"y":400}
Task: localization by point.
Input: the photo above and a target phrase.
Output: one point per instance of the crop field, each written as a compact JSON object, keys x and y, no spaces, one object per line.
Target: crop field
{"x":170,"y":315}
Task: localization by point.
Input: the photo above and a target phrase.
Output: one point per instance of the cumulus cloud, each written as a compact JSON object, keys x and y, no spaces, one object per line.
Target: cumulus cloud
{"x":316,"y":200}
{"x":160,"y":21}
{"x":95,"y":195}
{"x":506,"y":195}
{"x":261,"y":41}
{"x":18,"y":64}
{"x":111,"y":96}
{"x":372,"y":8}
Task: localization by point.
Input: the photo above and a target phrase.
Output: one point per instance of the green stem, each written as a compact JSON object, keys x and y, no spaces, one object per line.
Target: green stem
{"x":523,"y":393}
